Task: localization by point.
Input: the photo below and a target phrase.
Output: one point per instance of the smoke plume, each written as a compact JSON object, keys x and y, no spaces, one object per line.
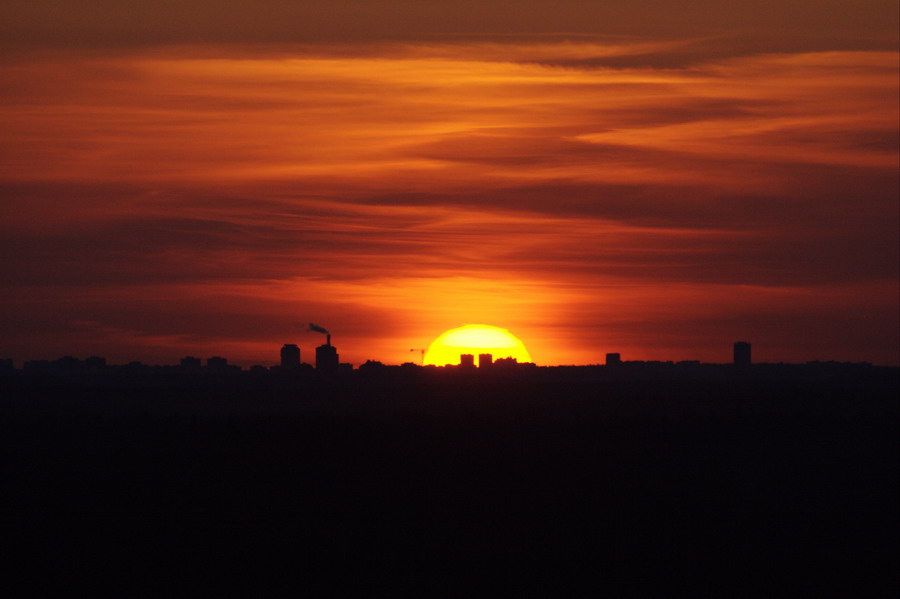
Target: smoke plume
{"x":317,"y":329}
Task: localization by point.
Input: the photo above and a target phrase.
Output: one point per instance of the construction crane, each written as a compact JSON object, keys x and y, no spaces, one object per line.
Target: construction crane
{"x":421,"y":353}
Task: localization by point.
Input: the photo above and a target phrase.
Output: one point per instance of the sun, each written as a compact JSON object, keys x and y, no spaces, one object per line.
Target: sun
{"x":475,"y":339}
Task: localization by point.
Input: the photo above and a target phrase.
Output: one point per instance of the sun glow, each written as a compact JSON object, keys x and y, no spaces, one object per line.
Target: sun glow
{"x":475,"y":339}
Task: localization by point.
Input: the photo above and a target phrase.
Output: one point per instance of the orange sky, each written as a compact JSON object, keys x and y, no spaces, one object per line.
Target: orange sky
{"x":658,"y":195}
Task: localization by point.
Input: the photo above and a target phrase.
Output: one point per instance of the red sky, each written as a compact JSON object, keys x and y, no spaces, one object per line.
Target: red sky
{"x":205,"y":178}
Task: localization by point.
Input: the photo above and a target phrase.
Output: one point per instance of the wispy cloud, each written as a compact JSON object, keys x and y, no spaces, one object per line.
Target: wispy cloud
{"x":425,"y":185}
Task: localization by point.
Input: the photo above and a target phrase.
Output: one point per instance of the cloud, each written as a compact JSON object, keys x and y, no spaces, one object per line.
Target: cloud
{"x":192,"y":197}
{"x":120,"y":23}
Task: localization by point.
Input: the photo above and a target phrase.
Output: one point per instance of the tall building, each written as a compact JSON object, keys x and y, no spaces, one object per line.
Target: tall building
{"x":290,"y":356}
{"x":467,"y":360}
{"x":613,"y":359}
{"x":327,"y":356}
{"x":485,"y":360}
{"x":742,"y":354}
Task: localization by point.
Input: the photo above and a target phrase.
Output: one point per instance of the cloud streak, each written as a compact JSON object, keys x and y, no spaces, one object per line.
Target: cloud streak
{"x":404,"y":191}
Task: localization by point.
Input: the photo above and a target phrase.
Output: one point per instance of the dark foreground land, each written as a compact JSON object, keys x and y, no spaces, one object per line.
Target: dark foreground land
{"x":754,"y":485}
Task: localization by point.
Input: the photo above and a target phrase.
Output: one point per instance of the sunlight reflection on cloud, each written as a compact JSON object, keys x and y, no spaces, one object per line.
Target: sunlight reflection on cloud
{"x":486,"y":182}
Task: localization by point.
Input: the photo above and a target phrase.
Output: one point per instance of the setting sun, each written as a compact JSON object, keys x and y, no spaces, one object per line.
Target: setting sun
{"x":475,"y":339}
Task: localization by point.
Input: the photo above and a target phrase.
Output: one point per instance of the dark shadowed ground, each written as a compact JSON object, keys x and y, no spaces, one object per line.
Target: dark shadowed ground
{"x":556,"y":486}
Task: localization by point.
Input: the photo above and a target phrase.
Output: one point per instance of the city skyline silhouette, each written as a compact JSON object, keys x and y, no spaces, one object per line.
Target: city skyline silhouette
{"x":670,"y":473}
{"x":449,"y":298}
{"x":326,"y":362}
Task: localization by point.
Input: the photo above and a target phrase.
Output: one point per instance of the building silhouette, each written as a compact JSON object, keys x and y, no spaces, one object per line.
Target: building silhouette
{"x":290,"y":356}
{"x":217,"y":364}
{"x":190,"y":363}
{"x":742,"y":354}
{"x":485,"y":360}
{"x":67,"y":364}
{"x":36,"y":366}
{"x":506,"y":363}
{"x":467,"y":360}
{"x":327,"y":356}
{"x":613,"y":359}
{"x":94,"y":364}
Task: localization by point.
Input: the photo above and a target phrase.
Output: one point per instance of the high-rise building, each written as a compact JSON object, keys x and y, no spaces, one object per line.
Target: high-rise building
{"x":290,"y":356}
{"x":327,"y":356}
{"x":485,"y":360}
{"x":467,"y":360}
{"x":613,"y":359}
{"x":742,"y":354}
